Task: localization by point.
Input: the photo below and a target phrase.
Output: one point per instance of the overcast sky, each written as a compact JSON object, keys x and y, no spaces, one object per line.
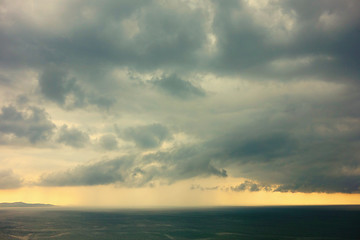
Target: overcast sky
{"x":228,"y":97}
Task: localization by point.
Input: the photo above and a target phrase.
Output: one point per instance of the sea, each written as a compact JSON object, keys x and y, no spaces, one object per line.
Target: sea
{"x":249,"y":223}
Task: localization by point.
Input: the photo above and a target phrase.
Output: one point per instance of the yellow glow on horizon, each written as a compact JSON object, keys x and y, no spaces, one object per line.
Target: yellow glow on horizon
{"x":175,"y":195}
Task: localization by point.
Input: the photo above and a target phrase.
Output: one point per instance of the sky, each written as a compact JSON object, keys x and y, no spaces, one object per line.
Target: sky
{"x":180,"y":103}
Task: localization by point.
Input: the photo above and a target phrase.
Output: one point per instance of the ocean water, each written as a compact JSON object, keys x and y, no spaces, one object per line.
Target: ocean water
{"x":320,"y":222}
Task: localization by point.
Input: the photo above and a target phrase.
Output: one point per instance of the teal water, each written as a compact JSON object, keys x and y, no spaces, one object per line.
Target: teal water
{"x":320,"y":222}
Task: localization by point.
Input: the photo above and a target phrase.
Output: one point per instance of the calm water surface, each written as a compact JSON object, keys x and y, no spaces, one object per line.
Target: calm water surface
{"x":325,"y":222}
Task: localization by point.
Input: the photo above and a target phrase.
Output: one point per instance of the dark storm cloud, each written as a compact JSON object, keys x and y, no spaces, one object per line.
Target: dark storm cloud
{"x":147,"y":136}
{"x":292,"y":154}
{"x":320,"y":165}
{"x":321,"y":183}
{"x":300,"y":140}
{"x":175,"y":86}
{"x":138,"y":171}
{"x":57,"y":86}
{"x":186,"y":162}
{"x":103,"y":172}
{"x":9,"y":180}
{"x":127,"y":171}
{"x":101,"y":102}
{"x":265,"y":145}
{"x":326,"y":31}
{"x":72,"y":137}
{"x":142,"y":34}
{"x":240,"y":41}
{"x":32,"y":124}
{"x":151,"y":35}
{"x":310,"y":164}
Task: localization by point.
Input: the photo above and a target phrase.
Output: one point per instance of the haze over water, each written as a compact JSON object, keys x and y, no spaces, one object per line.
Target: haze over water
{"x":248,"y":223}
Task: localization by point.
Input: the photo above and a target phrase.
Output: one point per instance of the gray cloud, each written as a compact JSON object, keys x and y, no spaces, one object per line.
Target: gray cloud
{"x":312,"y":171}
{"x":247,"y":186}
{"x":101,"y":102}
{"x":57,"y":86}
{"x":186,"y":162}
{"x":104,"y":172}
{"x":264,"y":145}
{"x":82,"y":54}
{"x":244,"y":186}
{"x":4,"y":80}
{"x":108,"y":142}
{"x":321,"y":182}
{"x":22,"y":100}
{"x":199,"y":187}
{"x":175,"y":86}
{"x":32,"y":124}
{"x":309,"y":164}
{"x":147,"y":136}
{"x":322,"y":34}
{"x":291,"y":154}
{"x":9,"y":180}
{"x":137,"y":171}
{"x":72,"y":137}
{"x":143,"y":34}
{"x":151,"y":35}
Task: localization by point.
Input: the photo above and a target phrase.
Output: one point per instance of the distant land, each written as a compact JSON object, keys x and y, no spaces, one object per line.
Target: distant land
{"x":22,"y":204}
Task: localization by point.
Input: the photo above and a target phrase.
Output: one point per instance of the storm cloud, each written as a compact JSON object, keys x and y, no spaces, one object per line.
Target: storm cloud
{"x":148,"y":136}
{"x":273,"y":161}
{"x":108,"y":142}
{"x":57,"y":86}
{"x":72,"y":137}
{"x":103,"y":172}
{"x":266,"y":91}
{"x":32,"y":124}
{"x":177,"y":87}
{"x":136,"y":171}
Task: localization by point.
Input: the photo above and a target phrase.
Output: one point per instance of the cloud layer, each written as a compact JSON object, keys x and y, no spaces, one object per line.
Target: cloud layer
{"x":9,"y":180}
{"x":154,"y":92}
{"x":32,"y":124}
